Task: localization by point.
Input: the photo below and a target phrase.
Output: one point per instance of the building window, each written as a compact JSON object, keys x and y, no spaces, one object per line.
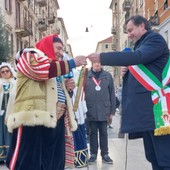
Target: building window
{"x":136,"y":10}
{"x":9,"y":37}
{"x":131,"y":44}
{"x":126,"y":44}
{"x":18,"y":15}
{"x":166,"y":37}
{"x":156,"y":5}
{"x":106,"y":46}
{"x":40,"y":35}
{"x":165,"y":4}
{"x":127,"y":15}
{"x":12,"y":44}
{"x":115,"y":6}
{"x":26,"y":44}
{"x":137,"y":5}
{"x":31,"y":25}
{"x":141,"y":2}
{"x":19,"y":44}
{"x":8,"y":6}
{"x":132,"y":11}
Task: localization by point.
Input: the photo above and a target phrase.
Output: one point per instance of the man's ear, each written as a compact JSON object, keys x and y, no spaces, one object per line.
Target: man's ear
{"x":142,"y":27}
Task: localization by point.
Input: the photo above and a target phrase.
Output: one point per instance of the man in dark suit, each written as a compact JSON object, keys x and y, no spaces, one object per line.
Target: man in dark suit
{"x":138,"y":118}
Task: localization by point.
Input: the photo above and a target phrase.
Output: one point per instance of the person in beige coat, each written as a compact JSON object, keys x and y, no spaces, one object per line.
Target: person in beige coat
{"x":37,"y":120}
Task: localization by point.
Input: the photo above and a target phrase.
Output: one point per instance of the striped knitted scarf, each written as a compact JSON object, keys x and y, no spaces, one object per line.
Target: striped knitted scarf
{"x":33,"y":63}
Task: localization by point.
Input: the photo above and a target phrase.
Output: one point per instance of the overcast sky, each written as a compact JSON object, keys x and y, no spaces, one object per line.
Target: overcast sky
{"x":79,"y":14}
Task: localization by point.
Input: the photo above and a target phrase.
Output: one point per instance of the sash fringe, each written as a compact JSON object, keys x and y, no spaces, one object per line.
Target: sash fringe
{"x":164,"y":130}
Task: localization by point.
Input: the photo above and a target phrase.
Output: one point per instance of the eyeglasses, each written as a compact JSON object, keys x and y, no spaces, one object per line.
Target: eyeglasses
{"x":5,"y":71}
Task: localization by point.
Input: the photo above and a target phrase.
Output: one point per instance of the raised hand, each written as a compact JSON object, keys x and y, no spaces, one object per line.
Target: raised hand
{"x":80,"y":60}
{"x":94,"y":57}
{"x":123,"y":70}
{"x":70,"y":84}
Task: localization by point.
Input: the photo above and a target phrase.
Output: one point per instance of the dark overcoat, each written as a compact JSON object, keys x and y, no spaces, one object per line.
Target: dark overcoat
{"x":100,"y":104}
{"x":152,"y":51}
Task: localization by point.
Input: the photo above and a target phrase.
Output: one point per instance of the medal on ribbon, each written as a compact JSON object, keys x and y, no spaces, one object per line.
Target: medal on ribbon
{"x":98,"y":87}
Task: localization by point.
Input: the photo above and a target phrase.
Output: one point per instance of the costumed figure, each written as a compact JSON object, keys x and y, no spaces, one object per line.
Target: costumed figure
{"x":80,"y":142}
{"x":38,"y":117}
{"x":80,"y":109}
{"x":7,"y":88}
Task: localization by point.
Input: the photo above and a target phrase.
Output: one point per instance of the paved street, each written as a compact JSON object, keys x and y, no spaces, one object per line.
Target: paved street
{"x":126,"y":155}
{"x":132,"y":158}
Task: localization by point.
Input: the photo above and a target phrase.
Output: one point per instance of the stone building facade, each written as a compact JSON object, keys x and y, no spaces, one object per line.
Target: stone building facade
{"x":27,"y":21}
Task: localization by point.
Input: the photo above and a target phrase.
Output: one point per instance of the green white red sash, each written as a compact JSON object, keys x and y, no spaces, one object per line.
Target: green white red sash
{"x":160,"y":94}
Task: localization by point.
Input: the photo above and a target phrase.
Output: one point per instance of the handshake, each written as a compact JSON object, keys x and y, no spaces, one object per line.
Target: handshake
{"x":82,"y":60}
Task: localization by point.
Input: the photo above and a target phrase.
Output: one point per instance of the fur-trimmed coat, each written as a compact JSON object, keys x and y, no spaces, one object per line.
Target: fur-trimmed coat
{"x":35,"y":104}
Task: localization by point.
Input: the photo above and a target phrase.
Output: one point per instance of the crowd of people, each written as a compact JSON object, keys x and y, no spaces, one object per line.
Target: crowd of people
{"x":45,"y":103}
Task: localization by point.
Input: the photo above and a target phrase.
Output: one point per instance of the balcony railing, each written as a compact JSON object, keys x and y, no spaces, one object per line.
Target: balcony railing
{"x":23,"y":28}
{"x":114,"y":47}
{"x":51,"y":18}
{"x":113,"y":31}
{"x":42,"y":24}
{"x":154,"y":20}
{"x":42,"y":3}
{"x":57,"y":30}
{"x":126,"y":5}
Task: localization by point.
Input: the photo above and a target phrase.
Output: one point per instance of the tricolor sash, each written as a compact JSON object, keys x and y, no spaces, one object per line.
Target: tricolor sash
{"x":160,"y":94}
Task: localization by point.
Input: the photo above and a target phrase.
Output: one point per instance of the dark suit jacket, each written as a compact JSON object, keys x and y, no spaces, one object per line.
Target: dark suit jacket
{"x":137,"y":107}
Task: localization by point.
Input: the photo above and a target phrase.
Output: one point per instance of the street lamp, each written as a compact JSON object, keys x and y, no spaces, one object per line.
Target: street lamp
{"x":87,"y":30}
